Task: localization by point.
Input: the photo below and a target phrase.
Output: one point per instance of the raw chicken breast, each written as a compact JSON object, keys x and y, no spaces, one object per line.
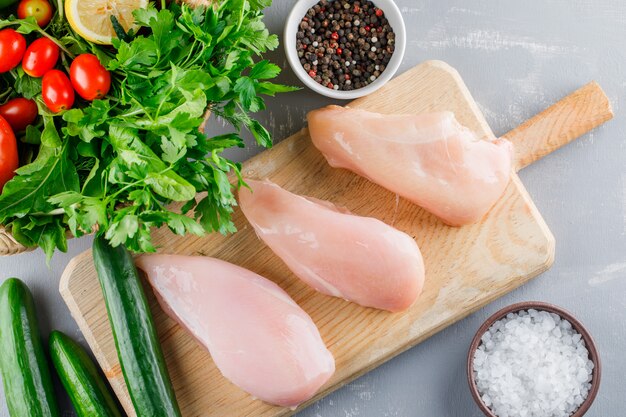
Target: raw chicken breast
{"x":259,"y":338}
{"x":360,"y":259}
{"x":429,"y":159}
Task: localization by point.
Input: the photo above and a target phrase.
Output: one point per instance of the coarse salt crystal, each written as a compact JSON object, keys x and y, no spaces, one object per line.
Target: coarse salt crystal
{"x":532,"y":364}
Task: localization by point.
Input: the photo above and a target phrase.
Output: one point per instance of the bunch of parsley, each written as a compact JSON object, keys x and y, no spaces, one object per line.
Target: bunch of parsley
{"x":116,"y":165}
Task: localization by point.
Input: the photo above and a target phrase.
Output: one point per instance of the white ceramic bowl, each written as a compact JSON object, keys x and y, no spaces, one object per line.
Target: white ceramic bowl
{"x":393,"y":15}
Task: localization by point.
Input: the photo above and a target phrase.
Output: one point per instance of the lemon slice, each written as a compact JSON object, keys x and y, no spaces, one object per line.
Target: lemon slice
{"x":91,"y":19}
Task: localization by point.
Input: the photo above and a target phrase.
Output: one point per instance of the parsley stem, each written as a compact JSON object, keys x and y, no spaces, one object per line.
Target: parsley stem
{"x":7,"y":92}
{"x":132,"y":113}
{"x":65,"y":63}
{"x":198,"y":55}
{"x":169,"y":93}
{"x":59,"y":44}
{"x":189,"y":55}
{"x":142,"y":107}
{"x":135,"y":73}
{"x":54,"y":212}
{"x":60,"y":10}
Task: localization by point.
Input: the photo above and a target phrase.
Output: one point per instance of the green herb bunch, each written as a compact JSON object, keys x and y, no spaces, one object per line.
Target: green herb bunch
{"x":117,"y":165}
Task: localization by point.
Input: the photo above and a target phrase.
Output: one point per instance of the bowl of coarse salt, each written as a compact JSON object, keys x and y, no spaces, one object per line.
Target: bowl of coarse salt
{"x":533,"y":359}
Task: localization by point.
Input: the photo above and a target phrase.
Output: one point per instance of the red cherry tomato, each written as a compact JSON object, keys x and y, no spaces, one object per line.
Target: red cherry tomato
{"x":19,"y":113}
{"x":57,"y":91}
{"x":9,"y":160}
{"x":89,"y":78}
{"x":40,"y":57}
{"x":12,"y":47}
{"x":39,"y":9}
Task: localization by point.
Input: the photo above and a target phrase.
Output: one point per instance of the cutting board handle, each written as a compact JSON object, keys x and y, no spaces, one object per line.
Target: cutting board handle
{"x":561,"y":123}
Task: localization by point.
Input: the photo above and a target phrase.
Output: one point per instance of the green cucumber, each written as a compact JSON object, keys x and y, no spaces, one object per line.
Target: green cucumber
{"x":23,"y":364}
{"x":87,"y":390}
{"x":136,"y":340}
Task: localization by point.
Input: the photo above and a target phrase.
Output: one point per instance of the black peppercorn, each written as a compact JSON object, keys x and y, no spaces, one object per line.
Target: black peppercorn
{"x":344,"y":44}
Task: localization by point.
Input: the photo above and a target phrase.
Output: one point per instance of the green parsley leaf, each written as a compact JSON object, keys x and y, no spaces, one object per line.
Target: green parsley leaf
{"x":264,"y":70}
{"x":115,"y":166}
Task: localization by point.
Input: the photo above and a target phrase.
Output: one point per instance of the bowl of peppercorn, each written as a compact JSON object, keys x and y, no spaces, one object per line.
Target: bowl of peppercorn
{"x":345,"y":49}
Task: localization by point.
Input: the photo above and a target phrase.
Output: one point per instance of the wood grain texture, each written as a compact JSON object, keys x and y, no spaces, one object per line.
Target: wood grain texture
{"x":466,"y":267}
{"x":573,"y":116}
{"x":8,"y":244}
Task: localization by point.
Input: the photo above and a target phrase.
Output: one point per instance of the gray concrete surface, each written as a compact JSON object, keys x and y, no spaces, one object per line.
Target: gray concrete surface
{"x":517,"y":57}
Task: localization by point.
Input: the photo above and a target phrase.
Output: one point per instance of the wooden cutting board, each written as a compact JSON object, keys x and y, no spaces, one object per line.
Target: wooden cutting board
{"x":466,"y":267}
